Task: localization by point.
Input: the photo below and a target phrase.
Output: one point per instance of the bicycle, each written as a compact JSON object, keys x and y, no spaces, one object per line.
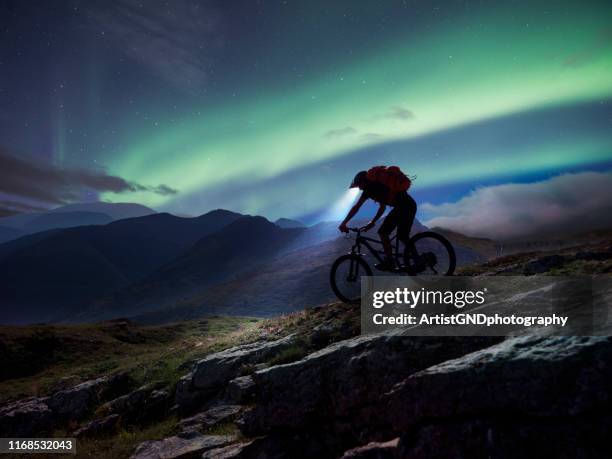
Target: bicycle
{"x":425,"y":253}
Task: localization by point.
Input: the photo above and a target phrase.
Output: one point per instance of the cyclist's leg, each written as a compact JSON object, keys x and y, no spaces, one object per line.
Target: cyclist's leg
{"x":405,"y":219}
{"x":385,"y":230}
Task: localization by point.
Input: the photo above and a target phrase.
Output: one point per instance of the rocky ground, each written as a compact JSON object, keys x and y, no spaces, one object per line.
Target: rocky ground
{"x":307,"y":385}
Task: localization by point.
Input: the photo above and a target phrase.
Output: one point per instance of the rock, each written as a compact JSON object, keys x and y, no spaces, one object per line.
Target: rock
{"x":235,"y":451}
{"x":212,"y":372}
{"x":77,"y":402}
{"x":210,"y":417}
{"x":97,"y":427}
{"x":241,"y":390}
{"x":342,"y":380}
{"x":529,"y":396}
{"x":375,"y":450}
{"x":189,"y":445}
{"x":322,"y":335}
{"x":26,"y":418}
{"x":281,"y":446}
{"x":186,"y":398}
{"x":144,"y":403}
{"x":117,"y":385}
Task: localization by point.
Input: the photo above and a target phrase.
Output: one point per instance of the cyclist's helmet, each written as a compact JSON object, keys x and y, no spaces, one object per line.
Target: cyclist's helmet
{"x":359,"y":179}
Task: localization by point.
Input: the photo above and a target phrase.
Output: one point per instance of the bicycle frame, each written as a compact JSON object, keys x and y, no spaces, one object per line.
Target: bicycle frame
{"x":378,"y":254}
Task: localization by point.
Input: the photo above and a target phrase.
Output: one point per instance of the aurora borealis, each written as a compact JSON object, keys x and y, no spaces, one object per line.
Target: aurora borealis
{"x":271,"y":107}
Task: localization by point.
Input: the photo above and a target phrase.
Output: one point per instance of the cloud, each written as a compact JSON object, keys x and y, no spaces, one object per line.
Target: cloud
{"x":180,"y":44}
{"x":340,"y":132}
{"x":569,"y":203}
{"x":27,"y":181}
{"x":8,"y":208}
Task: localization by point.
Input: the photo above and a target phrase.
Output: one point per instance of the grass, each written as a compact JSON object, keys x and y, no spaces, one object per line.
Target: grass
{"x":149,"y":353}
{"x":291,"y":354}
{"x":37,"y":360}
{"x":123,"y":444}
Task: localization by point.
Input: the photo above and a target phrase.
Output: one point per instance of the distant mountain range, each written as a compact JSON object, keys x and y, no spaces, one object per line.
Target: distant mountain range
{"x":68,"y":216}
{"x":288,"y":223}
{"x":55,"y":274}
{"x":160,"y":267}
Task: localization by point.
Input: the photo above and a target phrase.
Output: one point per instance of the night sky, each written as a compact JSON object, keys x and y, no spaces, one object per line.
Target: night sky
{"x":270,"y":107}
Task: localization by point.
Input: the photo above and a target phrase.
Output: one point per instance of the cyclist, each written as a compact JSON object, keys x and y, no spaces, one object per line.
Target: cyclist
{"x":400,"y":217}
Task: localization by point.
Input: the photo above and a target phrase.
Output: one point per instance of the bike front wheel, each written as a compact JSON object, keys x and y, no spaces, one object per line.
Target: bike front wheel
{"x":430,"y":254}
{"x":345,"y":277}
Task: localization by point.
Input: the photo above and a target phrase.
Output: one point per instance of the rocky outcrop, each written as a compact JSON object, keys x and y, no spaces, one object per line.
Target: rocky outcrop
{"x":339,"y":383}
{"x":235,"y":451}
{"x":37,"y":416}
{"x":75,"y":403}
{"x":148,"y":402}
{"x":210,"y":418}
{"x":240,"y":390}
{"x":527,"y":395}
{"x":184,"y":446}
{"x":25,"y":418}
{"x":211,"y":373}
{"x":375,"y":450}
{"x":97,"y":427}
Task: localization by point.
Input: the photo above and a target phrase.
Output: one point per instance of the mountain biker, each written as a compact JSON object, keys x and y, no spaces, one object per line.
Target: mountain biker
{"x":401,"y":216}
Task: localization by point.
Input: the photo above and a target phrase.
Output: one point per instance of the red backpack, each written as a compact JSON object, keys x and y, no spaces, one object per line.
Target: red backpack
{"x":392,"y":177}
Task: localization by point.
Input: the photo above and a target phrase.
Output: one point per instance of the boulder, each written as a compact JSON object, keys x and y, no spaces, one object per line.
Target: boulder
{"x":211,"y":373}
{"x":235,"y":451}
{"x":26,"y":418}
{"x":97,"y":427}
{"x":144,"y":403}
{"x":240,"y":390}
{"x":77,"y":402}
{"x":322,"y":334}
{"x":210,"y":417}
{"x":375,"y":450}
{"x":342,"y":380}
{"x":529,"y":396}
{"x":185,"y":446}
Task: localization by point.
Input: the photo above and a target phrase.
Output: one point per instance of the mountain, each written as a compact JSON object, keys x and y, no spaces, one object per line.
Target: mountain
{"x":19,"y":220}
{"x":240,"y":247}
{"x":116,"y":210}
{"x":287,"y":282}
{"x":53,"y":220}
{"x":288,"y":223}
{"x":8,"y":234}
{"x":53,"y":274}
{"x":70,"y":215}
{"x":488,"y":248}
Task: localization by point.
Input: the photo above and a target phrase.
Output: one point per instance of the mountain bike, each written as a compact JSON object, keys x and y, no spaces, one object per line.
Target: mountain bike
{"x":425,"y":254}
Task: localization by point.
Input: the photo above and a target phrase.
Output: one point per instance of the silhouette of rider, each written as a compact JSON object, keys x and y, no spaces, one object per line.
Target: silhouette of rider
{"x":400,"y":217}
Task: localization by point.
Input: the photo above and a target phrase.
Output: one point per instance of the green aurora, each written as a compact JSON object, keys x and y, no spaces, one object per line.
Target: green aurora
{"x":476,"y":67}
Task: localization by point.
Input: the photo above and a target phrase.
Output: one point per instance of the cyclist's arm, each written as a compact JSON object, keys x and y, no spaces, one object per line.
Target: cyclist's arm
{"x":363,"y":198}
{"x":381,"y":210}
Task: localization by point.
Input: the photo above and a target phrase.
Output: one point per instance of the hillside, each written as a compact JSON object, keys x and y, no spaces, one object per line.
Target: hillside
{"x":267,"y":282}
{"x":218,"y":257}
{"x":304,"y":385}
{"x":95,"y":261}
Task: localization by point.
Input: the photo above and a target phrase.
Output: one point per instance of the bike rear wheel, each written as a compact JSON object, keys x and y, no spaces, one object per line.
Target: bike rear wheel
{"x":430,"y":254}
{"x":345,"y":277}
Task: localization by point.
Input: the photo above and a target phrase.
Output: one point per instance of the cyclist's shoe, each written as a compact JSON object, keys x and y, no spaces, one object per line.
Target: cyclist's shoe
{"x":386,"y":265}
